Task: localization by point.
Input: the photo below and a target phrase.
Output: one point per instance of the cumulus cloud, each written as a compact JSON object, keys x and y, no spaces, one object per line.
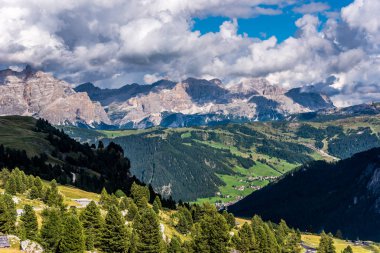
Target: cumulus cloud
{"x":112,"y":42}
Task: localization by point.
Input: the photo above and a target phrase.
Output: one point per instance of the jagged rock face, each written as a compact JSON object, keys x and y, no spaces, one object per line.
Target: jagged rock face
{"x":198,"y":101}
{"x":39,"y":94}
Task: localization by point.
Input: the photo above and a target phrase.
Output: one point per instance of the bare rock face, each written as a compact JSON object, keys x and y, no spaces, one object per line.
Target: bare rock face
{"x":252,"y":99}
{"x":39,"y":94}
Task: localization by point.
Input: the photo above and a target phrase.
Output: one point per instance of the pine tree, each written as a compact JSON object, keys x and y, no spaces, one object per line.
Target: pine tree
{"x":92,"y":222}
{"x":29,"y":221}
{"x":147,"y":228}
{"x":140,"y":195}
{"x":326,"y":244}
{"x":114,"y":235}
{"x":51,"y":229}
{"x":175,"y":245}
{"x":53,"y":197}
{"x":185,"y":220}
{"x":348,"y":249}
{"x":34,"y":193}
{"x":104,"y":197}
{"x":40,"y":187}
{"x":72,"y":240}
{"x":8,"y":214}
{"x":272,"y":245}
{"x":157,"y":206}
{"x":132,"y":211}
{"x":11,"y":185}
{"x":246,"y":241}
{"x":229,"y":218}
{"x":214,"y":232}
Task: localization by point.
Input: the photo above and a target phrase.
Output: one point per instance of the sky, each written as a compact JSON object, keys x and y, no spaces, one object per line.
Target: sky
{"x":291,"y":43}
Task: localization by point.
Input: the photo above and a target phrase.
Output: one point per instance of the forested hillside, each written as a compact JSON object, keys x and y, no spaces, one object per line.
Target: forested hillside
{"x":38,"y":148}
{"x":335,"y":196}
{"x":227,"y":162}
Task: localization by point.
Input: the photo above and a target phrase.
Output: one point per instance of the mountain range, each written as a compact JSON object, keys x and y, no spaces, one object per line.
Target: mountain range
{"x":166,"y":103}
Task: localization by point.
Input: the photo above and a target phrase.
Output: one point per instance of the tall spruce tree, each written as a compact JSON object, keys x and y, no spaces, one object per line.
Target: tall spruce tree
{"x":115,"y":236}
{"x":326,"y":244}
{"x":53,"y":197}
{"x":51,"y":229}
{"x":147,"y":227}
{"x":157,"y":206}
{"x":245,"y":242}
{"x":11,"y":185}
{"x":214,"y":231}
{"x":175,"y":245}
{"x":72,"y":240}
{"x":92,"y":222}
{"x":8,"y":214}
{"x":30,"y":223}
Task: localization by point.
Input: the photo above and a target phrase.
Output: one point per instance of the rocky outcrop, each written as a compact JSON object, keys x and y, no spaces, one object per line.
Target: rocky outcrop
{"x":39,"y":94}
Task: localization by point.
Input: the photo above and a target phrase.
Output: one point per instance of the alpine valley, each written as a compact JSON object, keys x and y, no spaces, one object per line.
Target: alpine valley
{"x":242,"y":147}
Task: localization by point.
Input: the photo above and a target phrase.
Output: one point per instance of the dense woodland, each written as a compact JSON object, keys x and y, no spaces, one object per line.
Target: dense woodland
{"x":95,"y":167}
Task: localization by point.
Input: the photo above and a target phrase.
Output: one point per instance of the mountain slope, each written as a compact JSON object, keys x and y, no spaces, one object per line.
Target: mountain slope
{"x":39,"y":149}
{"x":195,"y":102}
{"x":39,"y":94}
{"x":344,"y":195}
{"x":226,"y":162}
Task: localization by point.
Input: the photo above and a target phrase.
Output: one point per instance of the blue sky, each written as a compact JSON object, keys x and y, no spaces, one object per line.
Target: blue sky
{"x":264,"y":26}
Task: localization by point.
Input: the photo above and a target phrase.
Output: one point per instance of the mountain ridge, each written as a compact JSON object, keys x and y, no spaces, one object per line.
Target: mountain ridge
{"x":343,"y":195}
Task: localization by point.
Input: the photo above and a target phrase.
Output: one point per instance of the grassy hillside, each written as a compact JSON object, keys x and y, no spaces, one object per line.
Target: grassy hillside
{"x":225,"y":163}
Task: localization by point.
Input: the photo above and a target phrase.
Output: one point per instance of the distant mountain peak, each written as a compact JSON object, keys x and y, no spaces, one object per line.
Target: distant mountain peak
{"x":39,"y":94}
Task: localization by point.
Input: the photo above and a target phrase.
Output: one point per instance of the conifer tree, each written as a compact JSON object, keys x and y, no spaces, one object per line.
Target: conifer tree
{"x":104,"y":197}
{"x":214,"y":231}
{"x":40,"y":187}
{"x":72,"y":240}
{"x":326,"y":244}
{"x":246,"y":241}
{"x":229,"y":218}
{"x":33,"y":193}
{"x":147,"y":228}
{"x":348,"y":249}
{"x":140,"y":195}
{"x":157,"y":206}
{"x":272,"y":245}
{"x":132,"y":211}
{"x":8,"y":214}
{"x":30,"y":224}
{"x":114,"y":234}
{"x":53,"y":197}
{"x":175,"y":245}
{"x":11,"y":185}
{"x":51,"y":229}
{"x":92,"y":222}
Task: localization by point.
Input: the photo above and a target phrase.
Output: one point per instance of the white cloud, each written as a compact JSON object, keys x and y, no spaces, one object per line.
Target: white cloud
{"x":312,"y":7}
{"x":119,"y":41}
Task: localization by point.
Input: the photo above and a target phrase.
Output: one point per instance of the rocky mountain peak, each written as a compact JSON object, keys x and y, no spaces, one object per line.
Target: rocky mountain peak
{"x":39,"y":94}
